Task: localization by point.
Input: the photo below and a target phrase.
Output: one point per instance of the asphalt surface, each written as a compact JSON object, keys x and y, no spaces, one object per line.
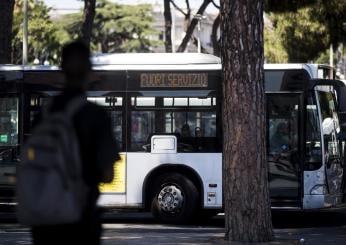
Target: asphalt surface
{"x":317,"y":228}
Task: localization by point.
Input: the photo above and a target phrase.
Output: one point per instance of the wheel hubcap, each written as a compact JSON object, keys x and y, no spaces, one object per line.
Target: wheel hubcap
{"x":170,"y":199}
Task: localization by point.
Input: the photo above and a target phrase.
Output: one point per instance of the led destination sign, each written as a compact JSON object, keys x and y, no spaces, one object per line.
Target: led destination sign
{"x":174,"y":80}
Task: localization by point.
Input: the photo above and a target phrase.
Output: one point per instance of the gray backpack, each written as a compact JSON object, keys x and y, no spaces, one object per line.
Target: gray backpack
{"x":50,"y":185}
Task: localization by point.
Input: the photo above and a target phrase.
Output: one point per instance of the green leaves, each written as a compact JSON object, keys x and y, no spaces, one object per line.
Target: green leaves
{"x":117,"y":28}
{"x":304,"y":29}
{"x":122,"y":28}
{"x":42,"y":39}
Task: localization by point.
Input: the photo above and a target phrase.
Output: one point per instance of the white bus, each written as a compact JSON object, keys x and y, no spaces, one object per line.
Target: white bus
{"x":166,"y":115}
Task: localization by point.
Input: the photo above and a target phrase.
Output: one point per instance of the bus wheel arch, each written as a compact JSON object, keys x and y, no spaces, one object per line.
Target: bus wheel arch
{"x":174,"y":176}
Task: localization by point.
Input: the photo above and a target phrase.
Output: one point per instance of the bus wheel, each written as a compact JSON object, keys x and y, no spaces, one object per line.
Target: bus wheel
{"x":174,"y":199}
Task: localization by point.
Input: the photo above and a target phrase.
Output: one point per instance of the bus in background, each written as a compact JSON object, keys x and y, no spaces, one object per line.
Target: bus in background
{"x":305,"y":146}
{"x":166,"y":116}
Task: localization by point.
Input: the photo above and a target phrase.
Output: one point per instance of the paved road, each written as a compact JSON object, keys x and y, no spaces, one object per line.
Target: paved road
{"x":315,"y":228}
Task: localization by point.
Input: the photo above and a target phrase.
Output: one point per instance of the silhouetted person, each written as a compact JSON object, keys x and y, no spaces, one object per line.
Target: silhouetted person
{"x":185,"y":131}
{"x":97,"y":146}
{"x":280,"y":141}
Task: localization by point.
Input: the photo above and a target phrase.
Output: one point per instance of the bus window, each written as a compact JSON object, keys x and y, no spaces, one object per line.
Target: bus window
{"x":283,"y":150}
{"x":285,"y":80}
{"x":8,"y":121}
{"x":313,"y":150}
{"x":331,"y":132}
{"x":37,"y":102}
{"x":330,"y":124}
{"x":142,"y":126}
{"x":191,"y":124}
{"x":113,"y":106}
{"x":191,"y":119}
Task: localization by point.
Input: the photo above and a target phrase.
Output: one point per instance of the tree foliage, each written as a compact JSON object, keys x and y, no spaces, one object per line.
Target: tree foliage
{"x":304,"y":29}
{"x":274,"y":52}
{"x":301,"y":36}
{"x":116,"y":27}
{"x":123,"y":28}
{"x":43,"y":42}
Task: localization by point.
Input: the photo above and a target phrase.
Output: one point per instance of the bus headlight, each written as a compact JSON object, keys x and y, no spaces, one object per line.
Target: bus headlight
{"x":318,"y":190}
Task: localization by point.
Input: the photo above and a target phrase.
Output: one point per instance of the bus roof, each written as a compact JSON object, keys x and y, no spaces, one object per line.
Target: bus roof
{"x":312,"y":69}
{"x":155,"y":59}
{"x":163,"y":61}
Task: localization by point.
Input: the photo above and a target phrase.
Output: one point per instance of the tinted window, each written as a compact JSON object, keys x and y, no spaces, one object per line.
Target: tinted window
{"x":8,"y":121}
{"x":285,"y":80}
{"x":283,"y":148}
{"x":313,"y":151}
{"x":192,"y":119}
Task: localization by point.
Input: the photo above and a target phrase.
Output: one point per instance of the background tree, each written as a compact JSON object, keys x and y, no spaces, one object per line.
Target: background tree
{"x":246,"y":196}
{"x":6,"y":19}
{"x":88,"y":20}
{"x":42,"y":39}
{"x":186,"y":13}
{"x":306,"y":28}
{"x":168,"y":25}
{"x":301,"y":36}
{"x":192,"y":26}
{"x":116,"y":28}
{"x":274,"y":51}
{"x":215,"y":40}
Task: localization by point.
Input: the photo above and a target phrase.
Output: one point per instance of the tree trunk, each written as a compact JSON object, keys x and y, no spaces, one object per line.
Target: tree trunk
{"x":214,"y":38}
{"x":168,"y":26}
{"x":88,"y":20}
{"x":6,"y":19}
{"x":192,"y":26}
{"x":187,"y":17}
{"x":247,"y":203}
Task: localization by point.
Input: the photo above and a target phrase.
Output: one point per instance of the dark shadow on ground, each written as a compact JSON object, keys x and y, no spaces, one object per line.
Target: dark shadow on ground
{"x":308,"y":219}
{"x":281,"y":219}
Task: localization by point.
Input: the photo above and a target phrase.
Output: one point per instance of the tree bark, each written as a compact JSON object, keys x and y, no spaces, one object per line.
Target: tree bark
{"x":247,"y":203}
{"x":88,"y":20}
{"x":192,"y":26}
{"x":6,"y":20}
{"x":168,"y":26}
{"x":187,"y":17}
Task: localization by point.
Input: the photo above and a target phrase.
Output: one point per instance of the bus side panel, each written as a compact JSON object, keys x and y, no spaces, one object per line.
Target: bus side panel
{"x":207,"y":165}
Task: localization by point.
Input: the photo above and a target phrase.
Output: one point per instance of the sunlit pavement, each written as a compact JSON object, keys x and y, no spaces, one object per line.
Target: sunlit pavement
{"x":140,"y":228}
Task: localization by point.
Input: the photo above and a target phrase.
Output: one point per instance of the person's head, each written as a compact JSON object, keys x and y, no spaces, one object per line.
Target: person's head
{"x":76,"y":64}
{"x":198,"y":132}
{"x":185,"y":131}
{"x":282,"y":129}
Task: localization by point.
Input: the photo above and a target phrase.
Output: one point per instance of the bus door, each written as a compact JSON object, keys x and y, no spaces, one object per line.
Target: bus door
{"x":329,"y":96}
{"x":9,"y":134}
{"x":331,"y":136}
{"x":284,"y":112}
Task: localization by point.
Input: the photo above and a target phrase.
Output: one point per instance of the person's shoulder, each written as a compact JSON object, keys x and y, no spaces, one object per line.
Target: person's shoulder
{"x":92,"y":107}
{"x":93,"y":110}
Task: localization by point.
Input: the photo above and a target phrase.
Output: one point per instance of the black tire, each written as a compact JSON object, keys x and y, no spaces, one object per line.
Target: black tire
{"x":174,"y":185}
